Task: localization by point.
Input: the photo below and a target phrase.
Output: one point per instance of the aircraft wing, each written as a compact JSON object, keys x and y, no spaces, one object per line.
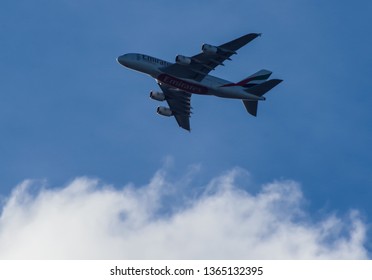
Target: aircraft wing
{"x":179,"y":103}
{"x":206,"y":61}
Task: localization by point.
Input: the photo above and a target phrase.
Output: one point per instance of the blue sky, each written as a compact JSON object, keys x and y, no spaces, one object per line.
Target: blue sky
{"x":68,"y":109}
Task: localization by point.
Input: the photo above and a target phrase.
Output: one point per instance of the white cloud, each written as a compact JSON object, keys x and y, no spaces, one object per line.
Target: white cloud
{"x":90,"y":220}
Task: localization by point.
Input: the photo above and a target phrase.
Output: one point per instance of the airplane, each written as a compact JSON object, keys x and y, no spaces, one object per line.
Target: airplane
{"x":190,"y":75}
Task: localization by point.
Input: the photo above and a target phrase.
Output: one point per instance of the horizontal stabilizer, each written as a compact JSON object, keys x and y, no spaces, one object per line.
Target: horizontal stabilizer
{"x":251,"y":107}
{"x":261,"y":89}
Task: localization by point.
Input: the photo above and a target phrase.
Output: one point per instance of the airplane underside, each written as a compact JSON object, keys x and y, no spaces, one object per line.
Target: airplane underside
{"x":202,"y":89}
{"x":189,"y":75}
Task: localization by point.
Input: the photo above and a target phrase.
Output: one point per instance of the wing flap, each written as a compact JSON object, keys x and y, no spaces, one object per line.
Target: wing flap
{"x":180,"y":104}
{"x":202,"y":63}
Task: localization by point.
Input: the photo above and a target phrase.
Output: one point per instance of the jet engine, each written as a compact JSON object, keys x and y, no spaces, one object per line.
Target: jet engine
{"x":156,"y":95}
{"x":164,"y":111}
{"x":209,"y":49}
{"x":183,"y":59}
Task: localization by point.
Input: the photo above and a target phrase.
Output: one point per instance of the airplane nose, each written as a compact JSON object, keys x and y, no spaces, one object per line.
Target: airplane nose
{"x":122,"y":60}
{"x":128,"y":60}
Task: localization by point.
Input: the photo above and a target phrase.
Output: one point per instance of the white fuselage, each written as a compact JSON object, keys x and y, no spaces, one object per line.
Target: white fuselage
{"x":210,"y":85}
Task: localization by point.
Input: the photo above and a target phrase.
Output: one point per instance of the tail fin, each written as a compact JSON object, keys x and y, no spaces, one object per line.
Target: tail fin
{"x":253,"y":79}
{"x":258,"y":76}
{"x":251,"y":106}
{"x":261,"y":89}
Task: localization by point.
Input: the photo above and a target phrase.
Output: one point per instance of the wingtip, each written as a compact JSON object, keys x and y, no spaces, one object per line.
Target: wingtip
{"x":253,"y":35}
{"x":187,"y":128}
{"x":256,"y":34}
